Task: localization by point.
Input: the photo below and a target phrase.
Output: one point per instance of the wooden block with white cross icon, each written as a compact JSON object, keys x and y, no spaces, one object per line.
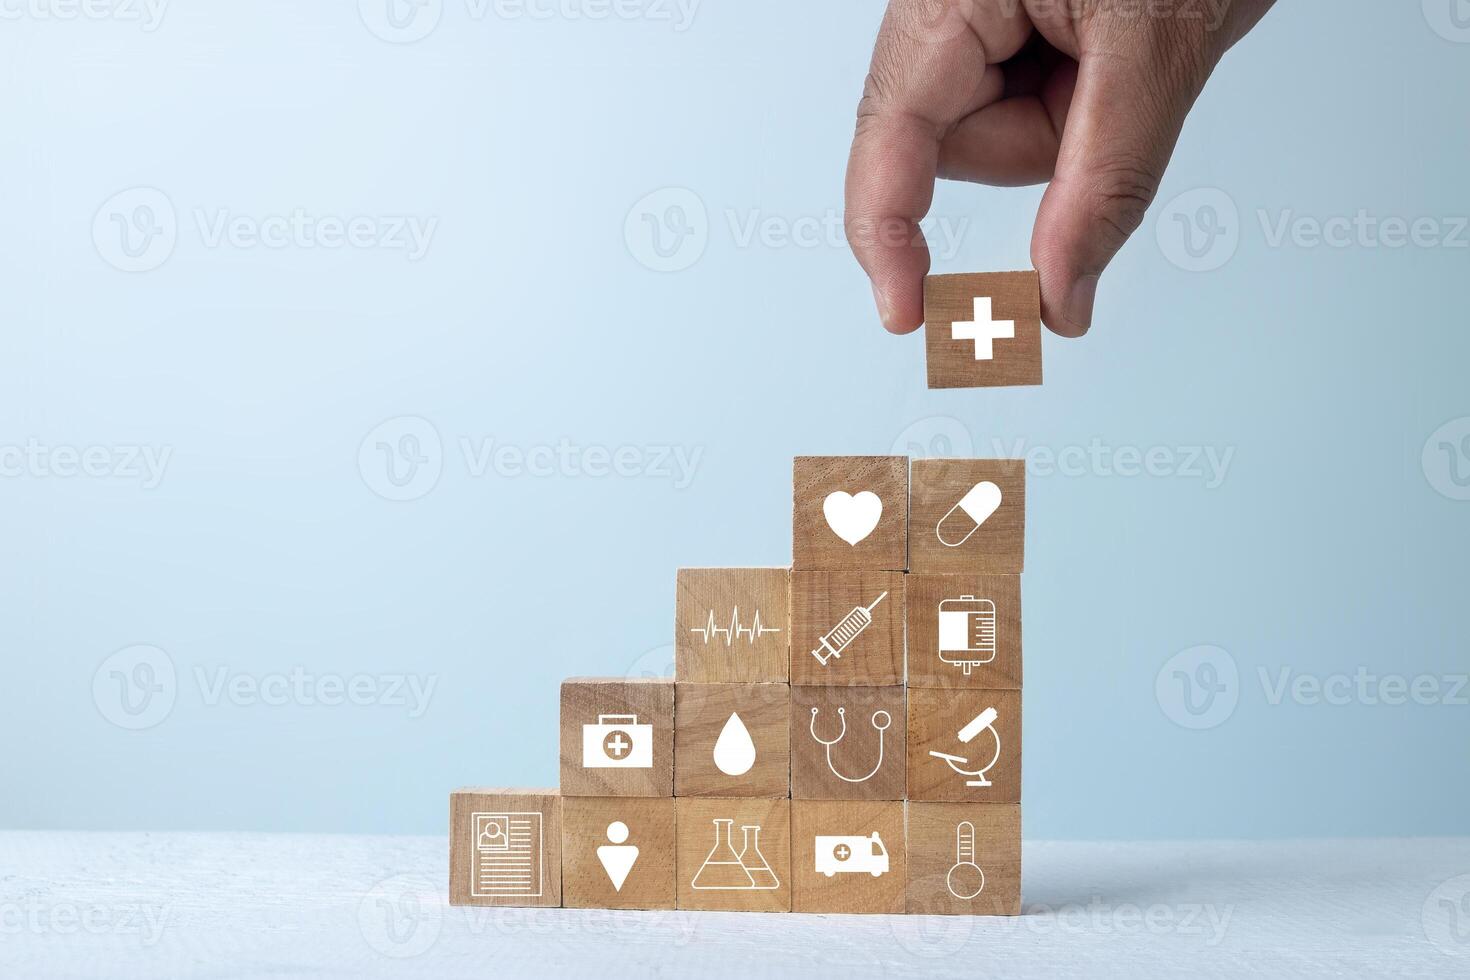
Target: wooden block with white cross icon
{"x":617,"y":736}
{"x":505,"y":847}
{"x":617,"y":853}
{"x":964,"y":859}
{"x":983,"y":330}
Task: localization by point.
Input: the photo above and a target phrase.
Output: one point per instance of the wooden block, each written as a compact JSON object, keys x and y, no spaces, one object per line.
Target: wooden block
{"x":848,"y":856}
{"x":850,"y":512}
{"x":968,"y":515}
{"x":823,"y":615}
{"x":734,"y":855}
{"x":983,"y":330}
{"x":937,"y":722}
{"x":963,"y":630}
{"x":732,"y":740}
{"x":944,"y":879}
{"x":505,"y":847}
{"x":862,"y":762}
{"x":617,"y":736}
{"x":732,"y":625}
{"x":618,"y":853}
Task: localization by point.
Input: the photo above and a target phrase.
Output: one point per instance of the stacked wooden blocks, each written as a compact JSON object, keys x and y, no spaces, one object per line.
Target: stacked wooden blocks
{"x":840,"y":736}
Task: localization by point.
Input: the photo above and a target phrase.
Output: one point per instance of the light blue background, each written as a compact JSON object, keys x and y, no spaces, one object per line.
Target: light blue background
{"x":530,"y":320}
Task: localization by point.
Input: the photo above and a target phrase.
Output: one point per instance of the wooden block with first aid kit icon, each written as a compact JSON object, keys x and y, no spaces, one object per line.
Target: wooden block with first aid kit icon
{"x":731,"y":740}
{"x":848,"y":856}
{"x":848,"y":743}
{"x":847,"y":628}
{"x":964,"y":859}
{"x":983,"y":330}
{"x":850,"y":512}
{"x":734,"y":855}
{"x":963,"y":630}
{"x":968,"y":516}
{"x":505,"y":847}
{"x":618,"y":853}
{"x":964,"y":745}
{"x":617,"y":736}
{"x":732,"y":625}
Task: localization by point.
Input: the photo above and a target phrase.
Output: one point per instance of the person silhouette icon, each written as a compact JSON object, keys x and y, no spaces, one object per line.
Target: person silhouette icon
{"x":617,"y":856}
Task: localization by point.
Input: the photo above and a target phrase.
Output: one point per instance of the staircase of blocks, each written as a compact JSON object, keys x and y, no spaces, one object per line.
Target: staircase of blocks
{"x":840,"y":736}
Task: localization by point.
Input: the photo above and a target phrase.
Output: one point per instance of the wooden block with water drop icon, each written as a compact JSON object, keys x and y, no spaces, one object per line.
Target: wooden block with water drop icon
{"x":848,"y":743}
{"x":964,"y":859}
{"x":732,"y":740}
{"x":733,"y":854}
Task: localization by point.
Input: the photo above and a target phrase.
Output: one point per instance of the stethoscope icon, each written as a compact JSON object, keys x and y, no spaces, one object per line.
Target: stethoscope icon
{"x":880,"y":726}
{"x":965,"y":879}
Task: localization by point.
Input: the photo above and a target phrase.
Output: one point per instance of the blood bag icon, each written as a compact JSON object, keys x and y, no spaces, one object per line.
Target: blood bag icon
{"x":966,"y":632}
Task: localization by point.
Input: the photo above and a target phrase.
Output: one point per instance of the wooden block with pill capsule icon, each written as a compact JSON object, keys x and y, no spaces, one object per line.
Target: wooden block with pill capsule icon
{"x":967,"y":516}
{"x":963,"y":859}
{"x":982,"y":330}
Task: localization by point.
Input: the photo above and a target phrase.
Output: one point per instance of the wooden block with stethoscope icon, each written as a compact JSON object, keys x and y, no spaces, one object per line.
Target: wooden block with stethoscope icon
{"x":848,"y":743}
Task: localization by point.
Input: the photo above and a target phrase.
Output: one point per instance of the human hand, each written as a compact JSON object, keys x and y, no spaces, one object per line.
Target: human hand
{"x":1088,"y":94}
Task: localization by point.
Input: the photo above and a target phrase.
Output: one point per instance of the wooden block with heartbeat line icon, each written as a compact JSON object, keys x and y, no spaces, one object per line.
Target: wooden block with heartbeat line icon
{"x":732,"y":625}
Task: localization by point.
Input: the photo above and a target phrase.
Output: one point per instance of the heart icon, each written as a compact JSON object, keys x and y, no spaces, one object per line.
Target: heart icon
{"x":852,"y":518}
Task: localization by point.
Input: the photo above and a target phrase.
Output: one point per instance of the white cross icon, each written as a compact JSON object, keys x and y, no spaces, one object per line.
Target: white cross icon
{"x":983,"y":330}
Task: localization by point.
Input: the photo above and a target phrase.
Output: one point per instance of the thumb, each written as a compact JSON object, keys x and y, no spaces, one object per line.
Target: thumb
{"x":1131,"y":99}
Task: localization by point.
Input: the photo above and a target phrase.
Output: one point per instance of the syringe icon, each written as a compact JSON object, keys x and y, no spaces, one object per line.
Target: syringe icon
{"x":840,"y":637}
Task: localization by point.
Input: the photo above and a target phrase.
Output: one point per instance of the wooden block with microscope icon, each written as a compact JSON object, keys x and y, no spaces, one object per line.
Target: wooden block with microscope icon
{"x":850,"y":512}
{"x":734,"y":855}
{"x":983,"y":330}
{"x":964,"y":746}
{"x":968,"y":516}
{"x":847,"y":628}
{"x":732,"y":625}
{"x":505,"y":847}
{"x":848,"y":743}
{"x":732,"y":740}
{"x":848,"y":856}
{"x":964,"y":859}
{"x":618,"y":853}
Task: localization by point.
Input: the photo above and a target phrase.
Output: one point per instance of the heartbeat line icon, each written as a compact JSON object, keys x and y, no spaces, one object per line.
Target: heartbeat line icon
{"x":711,"y":630}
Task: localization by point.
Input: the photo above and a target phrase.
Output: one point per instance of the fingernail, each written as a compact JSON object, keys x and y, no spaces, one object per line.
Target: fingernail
{"x":885,"y":312}
{"x":1080,"y":301}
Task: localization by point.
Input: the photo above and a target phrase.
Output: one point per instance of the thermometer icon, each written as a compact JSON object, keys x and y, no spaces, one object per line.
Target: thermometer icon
{"x":965,"y":879}
{"x":840,"y":637}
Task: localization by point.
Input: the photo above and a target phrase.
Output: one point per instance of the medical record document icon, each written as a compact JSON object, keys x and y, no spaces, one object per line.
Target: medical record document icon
{"x":617,"y":742}
{"x":967,"y":632}
{"x":507,"y":857}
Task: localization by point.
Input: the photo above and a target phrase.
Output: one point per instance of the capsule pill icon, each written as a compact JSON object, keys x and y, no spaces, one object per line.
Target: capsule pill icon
{"x":965,"y":517}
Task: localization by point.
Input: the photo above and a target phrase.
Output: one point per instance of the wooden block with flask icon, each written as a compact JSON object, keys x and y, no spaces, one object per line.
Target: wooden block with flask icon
{"x":848,"y":857}
{"x":964,"y":859}
{"x":617,"y":736}
{"x":505,"y":847}
{"x":732,"y":740}
{"x":732,"y":625}
{"x":847,"y":628}
{"x":968,"y":516}
{"x":733,"y":855}
{"x":848,"y":743}
{"x":618,"y":853}
{"x":963,"y":630}
{"x":983,"y":330}
{"x":964,"y":746}
{"x":850,"y":512}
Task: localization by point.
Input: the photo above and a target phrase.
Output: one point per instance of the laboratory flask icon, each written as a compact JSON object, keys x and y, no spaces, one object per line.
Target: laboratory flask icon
{"x":725,"y":869}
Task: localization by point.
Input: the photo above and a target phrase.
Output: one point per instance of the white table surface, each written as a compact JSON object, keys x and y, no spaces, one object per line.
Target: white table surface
{"x":258,"y":905}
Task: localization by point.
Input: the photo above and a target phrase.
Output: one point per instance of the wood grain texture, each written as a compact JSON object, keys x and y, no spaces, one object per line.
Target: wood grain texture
{"x":821,"y":600}
{"x":997,"y":546}
{"x":585,"y":700}
{"x":857,"y":890}
{"x":1014,"y":296}
{"x":935,"y":719}
{"x":815,"y":546}
{"x":696,"y":830}
{"x":922,"y":603}
{"x":814,"y":774}
{"x":466,"y":885}
{"x":586,"y":823}
{"x":701,"y":712}
{"x":932,"y":852}
{"x":732,"y":625}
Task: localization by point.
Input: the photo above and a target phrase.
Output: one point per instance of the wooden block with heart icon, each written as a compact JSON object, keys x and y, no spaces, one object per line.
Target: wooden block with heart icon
{"x":850,"y":512}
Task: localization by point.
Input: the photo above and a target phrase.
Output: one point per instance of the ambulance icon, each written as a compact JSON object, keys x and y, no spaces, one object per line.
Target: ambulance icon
{"x":852,"y":854}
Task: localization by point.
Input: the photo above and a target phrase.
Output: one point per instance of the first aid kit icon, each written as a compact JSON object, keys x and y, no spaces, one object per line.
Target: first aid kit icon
{"x":617,"y":742}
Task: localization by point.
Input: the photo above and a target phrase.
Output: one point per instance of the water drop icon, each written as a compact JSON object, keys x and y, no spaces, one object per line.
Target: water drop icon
{"x":734,"y":750}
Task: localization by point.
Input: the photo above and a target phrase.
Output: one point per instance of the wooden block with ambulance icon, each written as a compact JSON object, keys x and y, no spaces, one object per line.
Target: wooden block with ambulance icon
{"x":968,"y":516}
{"x":983,"y":330}
{"x":964,"y":859}
{"x":847,"y":628}
{"x":848,"y":857}
{"x":617,"y":736}
{"x":963,"y":630}
{"x":850,"y":512}
{"x":505,"y":847}
{"x":964,"y":746}
{"x":618,"y":853}
{"x":732,"y":625}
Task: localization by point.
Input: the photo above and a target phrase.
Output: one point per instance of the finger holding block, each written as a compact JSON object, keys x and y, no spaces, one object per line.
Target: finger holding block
{"x":505,"y":847}
{"x":983,"y":330}
{"x":964,"y":859}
